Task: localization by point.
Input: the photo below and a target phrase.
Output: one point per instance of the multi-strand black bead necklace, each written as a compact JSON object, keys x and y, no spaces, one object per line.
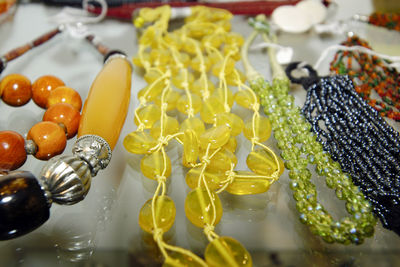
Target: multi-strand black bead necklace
{"x":356,"y":136}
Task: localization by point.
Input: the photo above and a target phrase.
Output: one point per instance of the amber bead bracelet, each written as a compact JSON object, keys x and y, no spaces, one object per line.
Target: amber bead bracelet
{"x":47,"y":138}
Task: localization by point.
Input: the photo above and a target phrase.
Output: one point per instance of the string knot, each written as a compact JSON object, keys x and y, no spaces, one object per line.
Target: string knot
{"x":205,"y":160}
{"x":161,"y":178}
{"x":157,"y":234}
{"x":208,"y":229}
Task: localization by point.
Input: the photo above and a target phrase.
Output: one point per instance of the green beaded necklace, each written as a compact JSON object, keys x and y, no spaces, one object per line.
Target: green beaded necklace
{"x":299,"y":149}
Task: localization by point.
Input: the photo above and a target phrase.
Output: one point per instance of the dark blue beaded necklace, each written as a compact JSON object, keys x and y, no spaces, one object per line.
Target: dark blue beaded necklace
{"x":356,"y":136}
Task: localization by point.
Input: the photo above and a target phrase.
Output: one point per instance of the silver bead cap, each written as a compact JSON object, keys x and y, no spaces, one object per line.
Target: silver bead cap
{"x":67,"y":178}
{"x":94,"y":150}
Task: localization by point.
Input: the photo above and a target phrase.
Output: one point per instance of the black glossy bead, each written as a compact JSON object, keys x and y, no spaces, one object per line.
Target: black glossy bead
{"x":23,"y":205}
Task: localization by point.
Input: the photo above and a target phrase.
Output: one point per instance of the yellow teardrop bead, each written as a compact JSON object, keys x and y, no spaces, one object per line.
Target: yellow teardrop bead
{"x":148,"y":115}
{"x":226,"y":251}
{"x":231,"y":144}
{"x":139,"y":142}
{"x":212,"y":178}
{"x":245,"y":98}
{"x":262,"y":129}
{"x":247,"y":185}
{"x":263,"y":162}
{"x":152,"y":165}
{"x":199,"y":209}
{"x":193,"y":123}
{"x":183,"y":104}
{"x":139,"y":62}
{"x":217,"y":69}
{"x":211,"y":107}
{"x":195,"y":64}
{"x":176,"y":259}
{"x":222,"y":160}
{"x":152,"y":75}
{"x":164,"y":209}
{"x":215,"y":136}
{"x":171,"y":98}
{"x":231,"y":120}
{"x":171,"y":126}
{"x":190,"y":148}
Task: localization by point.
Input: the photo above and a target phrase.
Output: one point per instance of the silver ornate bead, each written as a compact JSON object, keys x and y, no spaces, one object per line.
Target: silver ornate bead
{"x":67,"y":178}
{"x":94,"y":150}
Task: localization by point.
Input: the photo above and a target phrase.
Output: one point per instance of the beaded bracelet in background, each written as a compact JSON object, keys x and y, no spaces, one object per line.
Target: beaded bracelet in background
{"x":300,"y":148}
{"x":364,"y":144}
{"x":390,"y":21}
{"x":370,"y":73}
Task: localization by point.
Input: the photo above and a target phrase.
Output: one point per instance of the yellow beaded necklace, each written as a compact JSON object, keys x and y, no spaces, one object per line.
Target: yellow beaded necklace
{"x":182,"y":60}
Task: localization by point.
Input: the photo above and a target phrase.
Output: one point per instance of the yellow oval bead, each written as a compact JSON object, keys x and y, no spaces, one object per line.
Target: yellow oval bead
{"x":247,"y":185}
{"x":183,"y":104}
{"x":231,"y":144}
{"x":215,"y":136}
{"x":148,"y":115}
{"x":171,"y":126}
{"x":139,"y":62}
{"x":231,"y":120}
{"x":152,"y":165}
{"x":211,"y":177}
{"x":193,"y":123}
{"x":220,"y":94}
{"x":198,"y":87}
{"x":263,"y":162}
{"x":217,"y":69}
{"x":152,"y":75}
{"x":171,"y":98}
{"x":176,"y":259}
{"x":199,"y":210}
{"x":245,"y":98}
{"x":211,"y":107}
{"x":160,"y":56}
{"x":139,"y":142}
{"x":150,"y":92}
{"x":182,"y":77}
{"x":222,"y":160}
{"x":190,"y":148}
{"x":164,"y":210}
{"x":234,"y":38}
{"x":226,"y":251}
{"x":262,"y":129}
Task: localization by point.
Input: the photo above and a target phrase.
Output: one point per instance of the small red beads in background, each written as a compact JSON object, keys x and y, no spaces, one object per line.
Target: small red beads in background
{"x":15,"y":90}
{"x":12,"y":150}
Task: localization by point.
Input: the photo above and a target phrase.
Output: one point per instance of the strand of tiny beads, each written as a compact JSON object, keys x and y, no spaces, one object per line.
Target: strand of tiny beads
{"x":300,"y":148}
{"x":172,"y":61}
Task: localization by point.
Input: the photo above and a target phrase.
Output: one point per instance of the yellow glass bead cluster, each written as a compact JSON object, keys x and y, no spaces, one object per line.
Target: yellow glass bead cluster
{"x":178,"y":67}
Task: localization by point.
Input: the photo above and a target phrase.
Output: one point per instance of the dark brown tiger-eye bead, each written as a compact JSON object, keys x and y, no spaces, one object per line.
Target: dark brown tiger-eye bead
{"x":23,"y":204}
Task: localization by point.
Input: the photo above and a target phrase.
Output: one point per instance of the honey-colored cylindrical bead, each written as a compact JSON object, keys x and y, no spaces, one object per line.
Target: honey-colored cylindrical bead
{"x":12,"y":150}
{"x":65,"y":94}
{"x":66,"y":114}
{"x":15,"y":89}
{"x":107,"y":104}
{"x":42,"y":87}
{"x":50,"y":139}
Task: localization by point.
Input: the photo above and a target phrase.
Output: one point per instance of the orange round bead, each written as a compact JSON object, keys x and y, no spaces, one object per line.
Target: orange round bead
{"x":15,"y":89}
{"x":12,"y":150}
{"x":42,"y":87}
{"x":66,"y":114}
{"x":64,"y":94}
{"x":50,"y":139}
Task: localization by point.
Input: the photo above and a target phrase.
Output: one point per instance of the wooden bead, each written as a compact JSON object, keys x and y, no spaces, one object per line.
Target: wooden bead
{"x":42,"y":87}
{"x":12,"y":150}
{"x":65,"y":94}
{"x":66,"y":114}
{"x":50,"y":139}
{"x":15,"y":89}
